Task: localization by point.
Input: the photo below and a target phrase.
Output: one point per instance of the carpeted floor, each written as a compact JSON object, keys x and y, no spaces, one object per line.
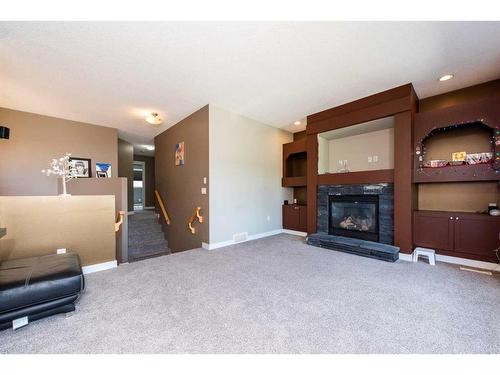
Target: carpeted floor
{"x":274,"y":295}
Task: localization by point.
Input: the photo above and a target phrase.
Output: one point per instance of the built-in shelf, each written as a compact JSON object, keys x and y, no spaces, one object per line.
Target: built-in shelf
{"x":364,"y":177}
{"x":460,"y":173}
{"x":294,"y":181}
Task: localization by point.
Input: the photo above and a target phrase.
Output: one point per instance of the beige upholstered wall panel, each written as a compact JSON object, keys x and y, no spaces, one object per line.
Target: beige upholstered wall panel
{"x":40,"y":225}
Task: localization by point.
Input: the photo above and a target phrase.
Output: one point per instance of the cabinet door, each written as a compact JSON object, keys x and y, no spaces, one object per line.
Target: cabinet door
{"x":303,"y":218}
{"x":477,"y":235}
{"x":433,"y":230}
{"x":291,"y":217}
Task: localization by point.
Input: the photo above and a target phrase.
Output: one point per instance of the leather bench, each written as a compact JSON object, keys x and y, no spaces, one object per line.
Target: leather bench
{"x":37,"y":287}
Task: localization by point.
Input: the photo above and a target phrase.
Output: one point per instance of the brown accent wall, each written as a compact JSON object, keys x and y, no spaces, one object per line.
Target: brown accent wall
{"x":126,"y":169}
{"x":36,"y":139}
{"x":149,"y":171}
{"x":180,"y":186}
{"x":467,"y":94}
{"x":458,"y":196}
{"x":40,"y":225}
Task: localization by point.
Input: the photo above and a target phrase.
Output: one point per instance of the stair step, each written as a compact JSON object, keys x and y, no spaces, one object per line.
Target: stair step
{"x":146,"y":236}
{"x":145,"y":230}
{"x":138,"y":242}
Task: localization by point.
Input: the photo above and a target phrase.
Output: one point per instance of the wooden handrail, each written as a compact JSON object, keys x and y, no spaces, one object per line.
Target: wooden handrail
{"x":162,"y":207}
{"x":195,"y":216}
{"x":118,"y":224}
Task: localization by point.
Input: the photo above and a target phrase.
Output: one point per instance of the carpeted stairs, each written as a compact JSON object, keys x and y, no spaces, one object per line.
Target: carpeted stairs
{"x":145,"y":236}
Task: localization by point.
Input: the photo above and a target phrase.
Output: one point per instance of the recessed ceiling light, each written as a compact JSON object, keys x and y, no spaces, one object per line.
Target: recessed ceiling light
{"x":446,"y":77}
{"x":154,"y":118}
{"x":297,"y":123}
{"x":150,"y":148}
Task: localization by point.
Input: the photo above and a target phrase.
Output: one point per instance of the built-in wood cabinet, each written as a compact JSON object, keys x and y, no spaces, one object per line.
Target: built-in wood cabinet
{"x":467,"y":235}
{"x":295,"y":217}
{"x":294,"y":164}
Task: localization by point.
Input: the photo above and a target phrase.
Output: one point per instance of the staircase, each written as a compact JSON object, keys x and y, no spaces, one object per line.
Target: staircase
{"x":145,"y":236}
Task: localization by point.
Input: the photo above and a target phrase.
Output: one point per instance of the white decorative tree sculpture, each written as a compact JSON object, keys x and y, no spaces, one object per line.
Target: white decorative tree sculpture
{"x":62,"y":168}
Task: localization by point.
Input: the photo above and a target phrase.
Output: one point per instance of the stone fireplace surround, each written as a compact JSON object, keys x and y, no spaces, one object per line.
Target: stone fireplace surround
{"x":385,"y":192}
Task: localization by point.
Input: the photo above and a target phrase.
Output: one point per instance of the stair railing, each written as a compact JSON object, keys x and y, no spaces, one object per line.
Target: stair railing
{"x":162,"y":207}
{"x":118,"y":224}
{"x":195,"y":216}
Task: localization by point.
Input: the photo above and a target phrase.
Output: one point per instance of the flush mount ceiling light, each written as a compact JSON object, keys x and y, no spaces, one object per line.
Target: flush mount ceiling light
{"x":297,"y":123}
{"x":446,"y":77}
{"x":154,"y":118}
{"x":149,"y":148}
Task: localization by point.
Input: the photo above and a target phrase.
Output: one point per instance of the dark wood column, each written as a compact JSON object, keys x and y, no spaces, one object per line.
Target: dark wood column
{"x":312,"y":182}
{"x":403,"y":187}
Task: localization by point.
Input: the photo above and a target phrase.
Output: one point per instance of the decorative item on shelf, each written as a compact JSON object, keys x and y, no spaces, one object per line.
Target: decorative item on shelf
{"x":285,"y":202}
{"x":344,"y":168}
{"x":103,"y":170}
{"x":81,"y":166}
{"x":294,"y":200}
{"x":479,"y":158}
{"x":436,"y":163}
{"x":4,"y":132}
{"x":495,"y":212}
{"x":62,"y":168}
{"x":492,"y":207}
{"x":458,"y":156}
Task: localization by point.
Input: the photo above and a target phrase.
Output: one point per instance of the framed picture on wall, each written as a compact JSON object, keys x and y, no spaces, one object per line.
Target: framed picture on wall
{"x":81,"y":166}
{"x":179,"y":153}
{"x":103,"y":170}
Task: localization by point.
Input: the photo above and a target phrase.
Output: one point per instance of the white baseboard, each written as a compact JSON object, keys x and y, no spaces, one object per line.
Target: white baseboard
{"x":217,"y":245}
{"x":455,"y":260}
{"x":468,"y":262}
{"x":99,"y":267}
{"x":405,"y":257}
{"x":295,"y":232}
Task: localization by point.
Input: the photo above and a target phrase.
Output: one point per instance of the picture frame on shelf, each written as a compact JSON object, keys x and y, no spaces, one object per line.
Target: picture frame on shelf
{"x":81,"y":166}
{"x":103,"y":170}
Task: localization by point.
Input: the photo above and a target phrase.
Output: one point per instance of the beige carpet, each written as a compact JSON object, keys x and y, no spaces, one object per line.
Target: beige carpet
{"x":274,"y":295}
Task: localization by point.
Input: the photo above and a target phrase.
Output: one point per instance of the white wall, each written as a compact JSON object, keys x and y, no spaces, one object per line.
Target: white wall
{"x":356,"y":149}
{"x":245,"y":158}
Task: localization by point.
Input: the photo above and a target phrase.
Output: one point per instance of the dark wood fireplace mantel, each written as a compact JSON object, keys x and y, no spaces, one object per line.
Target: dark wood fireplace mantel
{"x":378,"y":176}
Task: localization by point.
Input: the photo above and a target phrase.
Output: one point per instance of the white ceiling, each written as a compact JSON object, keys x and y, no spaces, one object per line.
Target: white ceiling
{"x":112,"y":74}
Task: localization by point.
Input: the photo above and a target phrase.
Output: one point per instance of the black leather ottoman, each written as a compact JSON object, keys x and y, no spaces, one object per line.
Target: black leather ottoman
{"x":39,"y":287}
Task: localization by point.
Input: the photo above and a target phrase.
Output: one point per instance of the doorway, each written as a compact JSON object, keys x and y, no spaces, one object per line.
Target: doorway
{"x":139,"y":185}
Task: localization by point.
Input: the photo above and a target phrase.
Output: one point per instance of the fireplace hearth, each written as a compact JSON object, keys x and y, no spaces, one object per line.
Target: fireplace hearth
{"x":354,"y":216}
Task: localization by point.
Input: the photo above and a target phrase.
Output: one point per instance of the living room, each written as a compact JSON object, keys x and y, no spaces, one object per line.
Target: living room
{"x":250,"y":188}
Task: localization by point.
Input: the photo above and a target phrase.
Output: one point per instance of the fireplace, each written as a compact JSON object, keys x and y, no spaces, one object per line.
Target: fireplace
{"x":354,"y":216}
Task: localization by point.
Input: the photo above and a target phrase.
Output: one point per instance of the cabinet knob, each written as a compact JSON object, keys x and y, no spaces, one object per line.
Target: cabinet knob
{"x":451,"y":217}
{"x":456,"y":218}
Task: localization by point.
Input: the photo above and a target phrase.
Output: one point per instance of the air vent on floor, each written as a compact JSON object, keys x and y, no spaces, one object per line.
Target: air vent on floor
{"x":238,"y":237}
